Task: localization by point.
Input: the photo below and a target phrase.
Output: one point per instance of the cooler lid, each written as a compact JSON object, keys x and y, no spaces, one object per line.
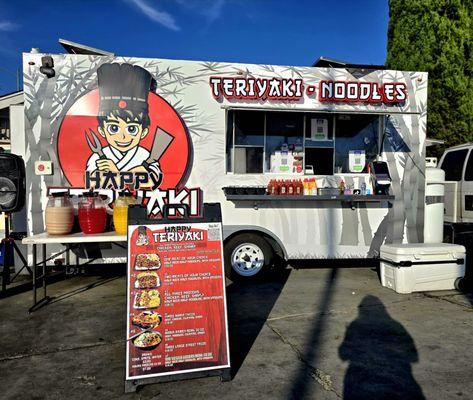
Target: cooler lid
{"x":410,"y":249}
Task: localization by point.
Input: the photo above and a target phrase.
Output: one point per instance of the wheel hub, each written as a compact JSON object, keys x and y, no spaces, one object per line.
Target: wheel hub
{"x":247,"y":259}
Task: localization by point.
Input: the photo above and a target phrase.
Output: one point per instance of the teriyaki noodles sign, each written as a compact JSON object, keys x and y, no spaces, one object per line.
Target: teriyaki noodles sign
{"x":277,"y":89}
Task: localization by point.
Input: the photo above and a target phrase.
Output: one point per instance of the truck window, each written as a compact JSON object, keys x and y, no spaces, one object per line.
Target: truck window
{"x":355,"y":132}
{"x":287,"y":142}
{"x":249,"y":142}
{"x":453,"y":163}
{"x":469,"y":168}
{"x":319,"y":143}
{"x":284,"y":148}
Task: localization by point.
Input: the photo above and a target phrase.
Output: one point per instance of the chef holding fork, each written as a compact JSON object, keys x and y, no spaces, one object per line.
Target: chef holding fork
{"x":123,"y":120}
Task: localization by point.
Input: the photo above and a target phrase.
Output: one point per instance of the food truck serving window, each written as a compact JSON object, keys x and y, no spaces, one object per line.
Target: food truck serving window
{"x":355,"y":133}
{"x":299,"y":142}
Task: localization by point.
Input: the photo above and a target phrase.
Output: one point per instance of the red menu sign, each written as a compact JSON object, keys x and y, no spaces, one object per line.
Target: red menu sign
{"x":176,"y":311}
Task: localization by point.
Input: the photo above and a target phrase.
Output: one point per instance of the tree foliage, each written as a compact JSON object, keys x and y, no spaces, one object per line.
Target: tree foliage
{"x":436,"y":36}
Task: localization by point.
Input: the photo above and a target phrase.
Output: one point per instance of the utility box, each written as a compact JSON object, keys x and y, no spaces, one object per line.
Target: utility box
{"x":417,"y":267}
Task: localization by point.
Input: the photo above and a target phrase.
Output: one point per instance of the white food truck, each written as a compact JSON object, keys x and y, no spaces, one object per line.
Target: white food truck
{"x":181,"y":131}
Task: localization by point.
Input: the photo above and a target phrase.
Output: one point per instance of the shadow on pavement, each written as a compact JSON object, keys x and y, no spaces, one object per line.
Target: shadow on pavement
{"x":380,"y":352}
{"x":74,"y":292}
{"x":249,"y":305}
{"x":300,"y":388}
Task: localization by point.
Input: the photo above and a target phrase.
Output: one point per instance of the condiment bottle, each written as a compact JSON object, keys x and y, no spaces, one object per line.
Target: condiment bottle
{"x":59,"y":214}
{"x":342,"y":187}
{"x":305,"y":186}
{"x":312,"y":190}
{"x":299,"y":189}
{"x":290,"y":187}
{"x":120,"y":214}
{"x":92,"y":214}
{"x":283,"y":188}
{"x":272,"y":187}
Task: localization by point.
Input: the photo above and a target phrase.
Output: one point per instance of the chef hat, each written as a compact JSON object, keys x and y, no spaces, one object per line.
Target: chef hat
{"x":123,"y":86}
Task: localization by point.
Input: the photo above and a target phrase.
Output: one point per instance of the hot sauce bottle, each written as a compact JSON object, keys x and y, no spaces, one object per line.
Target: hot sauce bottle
{"x":290,"y":187}
{"x":299,"y":189}
{"x":282,"y":188}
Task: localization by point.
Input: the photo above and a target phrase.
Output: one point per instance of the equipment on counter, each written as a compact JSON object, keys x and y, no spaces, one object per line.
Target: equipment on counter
{"x":328,"y":191}
{"x":416,"y":267}
{"x":288,"y":159}
{"x":380,"y":177}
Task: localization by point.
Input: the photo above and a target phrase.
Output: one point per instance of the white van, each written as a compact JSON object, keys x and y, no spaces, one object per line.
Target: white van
{"x":457,"y":162}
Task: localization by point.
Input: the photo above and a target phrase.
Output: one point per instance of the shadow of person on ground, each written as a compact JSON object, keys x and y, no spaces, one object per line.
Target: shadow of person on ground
{"x":249,"y":305}
{"x":380,"y":352}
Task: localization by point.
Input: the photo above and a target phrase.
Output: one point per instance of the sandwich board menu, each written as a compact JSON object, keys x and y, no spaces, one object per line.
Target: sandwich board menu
{"x":176,"y":305}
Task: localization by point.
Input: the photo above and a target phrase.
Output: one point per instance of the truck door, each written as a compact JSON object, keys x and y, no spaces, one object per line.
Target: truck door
{"x":453,"y":163}
{"x":467,"y":191}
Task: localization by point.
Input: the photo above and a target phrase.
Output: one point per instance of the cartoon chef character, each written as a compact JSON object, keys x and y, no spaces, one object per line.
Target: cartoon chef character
{"x":123,"y":120}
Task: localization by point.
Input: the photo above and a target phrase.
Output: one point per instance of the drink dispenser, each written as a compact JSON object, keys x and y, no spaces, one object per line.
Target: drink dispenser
{"x":120,"y":212}
{"x":59,"y":214}
{"x":92,"y":214}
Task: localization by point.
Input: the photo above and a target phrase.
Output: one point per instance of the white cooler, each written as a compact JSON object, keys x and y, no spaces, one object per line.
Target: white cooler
{"x":417,"y":267}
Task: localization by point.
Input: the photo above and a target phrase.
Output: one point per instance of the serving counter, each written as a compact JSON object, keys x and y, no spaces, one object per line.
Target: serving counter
{"x":68,"y":241}
{"x":351,"y":200}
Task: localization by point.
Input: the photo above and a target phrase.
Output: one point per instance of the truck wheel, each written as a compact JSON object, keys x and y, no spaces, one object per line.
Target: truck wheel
{"x":247,"y":256}
{"x":459,"y":283}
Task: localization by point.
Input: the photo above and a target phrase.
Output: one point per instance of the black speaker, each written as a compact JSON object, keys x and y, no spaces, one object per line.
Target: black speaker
{"x":12,"y":183}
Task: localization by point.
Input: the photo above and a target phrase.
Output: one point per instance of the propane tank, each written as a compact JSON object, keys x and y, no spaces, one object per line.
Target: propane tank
{"x":434,"y":205}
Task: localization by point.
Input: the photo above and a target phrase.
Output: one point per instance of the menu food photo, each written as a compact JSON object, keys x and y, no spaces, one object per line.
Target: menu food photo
{"x":176,"y":311}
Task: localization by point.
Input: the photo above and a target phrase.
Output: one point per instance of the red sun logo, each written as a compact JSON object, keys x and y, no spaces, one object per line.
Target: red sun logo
{"x":73,"y":150}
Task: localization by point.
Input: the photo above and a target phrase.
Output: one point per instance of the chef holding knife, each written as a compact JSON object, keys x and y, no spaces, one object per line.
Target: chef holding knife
{"x":123,"y":120}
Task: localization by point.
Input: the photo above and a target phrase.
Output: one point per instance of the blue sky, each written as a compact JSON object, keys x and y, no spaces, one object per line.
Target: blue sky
{"x":288,"y":32}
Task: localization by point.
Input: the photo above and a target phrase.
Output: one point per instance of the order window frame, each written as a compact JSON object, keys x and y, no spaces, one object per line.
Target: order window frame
{"x":307,"y":115}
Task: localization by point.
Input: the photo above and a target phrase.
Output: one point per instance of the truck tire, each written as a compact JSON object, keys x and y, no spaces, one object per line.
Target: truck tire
{"x":459,"y":284}
{"x":248,"y":256}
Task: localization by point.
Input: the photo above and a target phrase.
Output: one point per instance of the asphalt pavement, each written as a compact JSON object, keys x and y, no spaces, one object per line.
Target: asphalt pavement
{"x":328,"y":333}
